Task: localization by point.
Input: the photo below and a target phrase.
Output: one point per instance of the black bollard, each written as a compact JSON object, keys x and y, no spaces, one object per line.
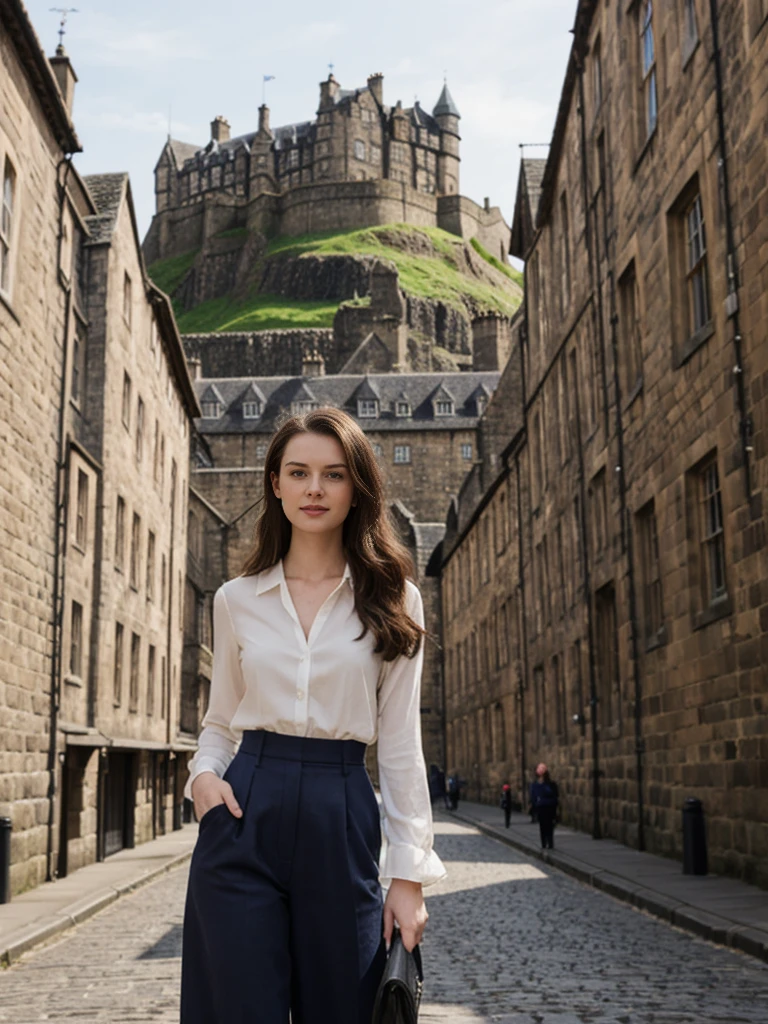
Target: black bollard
{"x":5,"y":860}
{"x":694,"y":838}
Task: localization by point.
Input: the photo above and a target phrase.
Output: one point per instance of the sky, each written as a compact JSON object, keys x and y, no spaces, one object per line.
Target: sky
{"x":146,"y":63}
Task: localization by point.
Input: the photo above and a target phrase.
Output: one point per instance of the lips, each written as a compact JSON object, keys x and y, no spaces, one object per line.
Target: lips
{"x":313,"y":508}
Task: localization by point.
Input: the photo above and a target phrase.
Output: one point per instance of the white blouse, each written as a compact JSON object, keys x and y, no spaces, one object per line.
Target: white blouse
{"x":268,"y":675}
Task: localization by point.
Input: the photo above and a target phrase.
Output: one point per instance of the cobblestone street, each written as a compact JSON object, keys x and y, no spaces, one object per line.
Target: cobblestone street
{"x":508,"y":941}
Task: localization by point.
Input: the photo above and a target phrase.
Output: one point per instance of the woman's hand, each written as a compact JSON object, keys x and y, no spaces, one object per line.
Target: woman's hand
{"x":208,"y":790}
{"x":405,"y":904}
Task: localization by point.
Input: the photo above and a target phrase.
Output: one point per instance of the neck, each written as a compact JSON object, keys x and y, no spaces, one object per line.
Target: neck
{"x":315,"y":556}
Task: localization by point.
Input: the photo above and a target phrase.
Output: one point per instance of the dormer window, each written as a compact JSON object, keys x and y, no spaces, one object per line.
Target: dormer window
{"x":481,"y":402}
{"x":443,"y":407}
{"x":251,"y":410}
{"x":211,"y":410}
{"x":402,"y":408}
{"x":299,"y":408}
{"x":367,"y":408}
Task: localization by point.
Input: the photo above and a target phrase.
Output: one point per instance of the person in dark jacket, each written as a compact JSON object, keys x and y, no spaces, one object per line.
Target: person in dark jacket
{"x":544,"y":800}
{"x":506,"y":803}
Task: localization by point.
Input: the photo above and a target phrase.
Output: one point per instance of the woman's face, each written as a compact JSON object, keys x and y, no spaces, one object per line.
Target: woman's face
{"x":314,"y":485}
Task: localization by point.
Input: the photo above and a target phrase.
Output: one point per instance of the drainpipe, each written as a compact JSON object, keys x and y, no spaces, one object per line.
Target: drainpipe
{"x":587,"y":582}
{"x":732,"y":303}
{"x":60,"y":535}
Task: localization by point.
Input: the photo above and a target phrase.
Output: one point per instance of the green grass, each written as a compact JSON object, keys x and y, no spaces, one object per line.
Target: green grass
{"x":427,"y":276}
{"x":168,"y":274}
{"x":511,"y":273}
{"x":259,"y":313}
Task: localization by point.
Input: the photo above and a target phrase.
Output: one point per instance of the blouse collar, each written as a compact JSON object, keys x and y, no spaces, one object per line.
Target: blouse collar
{"x":275,"y":576}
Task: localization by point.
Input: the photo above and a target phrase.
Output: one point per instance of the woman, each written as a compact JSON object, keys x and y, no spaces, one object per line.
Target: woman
{"x":545,"y":798}
{"x":318,"y":649}
{"x":506,"y":803}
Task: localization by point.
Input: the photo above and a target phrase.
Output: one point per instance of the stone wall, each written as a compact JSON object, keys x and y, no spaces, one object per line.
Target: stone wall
{"x":624,"y":620}
{"x":260,"y":353}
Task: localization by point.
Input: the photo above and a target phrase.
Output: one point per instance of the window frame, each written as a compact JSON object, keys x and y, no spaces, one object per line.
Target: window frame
{"x":128,"y":300}
{"x":117,"y":665}
{"x":630,"y":334}
{"x":444,"y":407}
{"x":8,"y":221}
{"x":367,"y":408}
{"x":76,"y":640}
{"x":654,"y":630}
{"x":648,"y":70}
{"x":401,"y":456}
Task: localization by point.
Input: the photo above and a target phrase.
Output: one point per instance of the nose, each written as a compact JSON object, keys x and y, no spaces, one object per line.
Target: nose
{"x":315,"y":484}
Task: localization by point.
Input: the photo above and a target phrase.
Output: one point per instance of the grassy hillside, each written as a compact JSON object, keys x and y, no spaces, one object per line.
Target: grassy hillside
{"x":432,"y":264}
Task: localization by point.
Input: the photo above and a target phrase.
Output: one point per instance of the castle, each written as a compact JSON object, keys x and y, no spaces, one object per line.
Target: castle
{"x":359,"y":163}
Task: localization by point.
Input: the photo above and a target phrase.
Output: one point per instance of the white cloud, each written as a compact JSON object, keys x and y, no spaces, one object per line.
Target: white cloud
{"x":104,"y":39}
{"x":144,"y":122}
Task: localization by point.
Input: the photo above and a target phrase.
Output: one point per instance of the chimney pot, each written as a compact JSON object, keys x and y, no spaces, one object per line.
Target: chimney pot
{"x":65,"y":76}
{"x":220,"y":130}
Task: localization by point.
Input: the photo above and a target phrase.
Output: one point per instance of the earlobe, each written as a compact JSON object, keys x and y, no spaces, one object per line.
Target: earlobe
{"x":275,"y":487}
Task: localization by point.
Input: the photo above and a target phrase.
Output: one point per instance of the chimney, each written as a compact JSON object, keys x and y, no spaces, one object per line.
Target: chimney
{"x":220,"y":130}
{"x":195,"y":365}
{"x":487,"y":205}
{"x":65,"y":77}
{"x":313,"y":364}
{"x":328,"y":91}
{"x":264,"y":120}
{"x":376,"y":86}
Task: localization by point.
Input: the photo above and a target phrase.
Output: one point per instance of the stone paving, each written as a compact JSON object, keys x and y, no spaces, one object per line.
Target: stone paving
{"x":509,"y":941}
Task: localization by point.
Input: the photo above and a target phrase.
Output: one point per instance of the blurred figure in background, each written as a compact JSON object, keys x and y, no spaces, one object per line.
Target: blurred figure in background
{"x":506,"y":803}
{"x":545,"y":798}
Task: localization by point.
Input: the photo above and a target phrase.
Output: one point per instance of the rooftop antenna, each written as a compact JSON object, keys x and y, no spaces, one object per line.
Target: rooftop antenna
{"x":64,"y":12}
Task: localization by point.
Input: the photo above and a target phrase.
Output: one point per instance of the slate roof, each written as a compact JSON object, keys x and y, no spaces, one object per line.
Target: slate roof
{"x":446,"y":104}
{"x":106,"y":191}
{"x":342,"y":391}
{"x":182,"y":150}
{"x":422,"y":119}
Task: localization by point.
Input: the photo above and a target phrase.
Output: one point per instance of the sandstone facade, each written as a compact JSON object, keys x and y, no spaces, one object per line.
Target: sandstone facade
{"x":604,"y":574}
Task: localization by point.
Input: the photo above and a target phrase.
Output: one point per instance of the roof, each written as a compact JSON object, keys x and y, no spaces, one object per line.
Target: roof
{"x":422,"y":119}
{"x":526,"y":206}
{"x":342,"y":391}
{"x":446,"y":104}
{"x":106,"y":191}
{"x":182,"y":150}
{"x":16,"y":23}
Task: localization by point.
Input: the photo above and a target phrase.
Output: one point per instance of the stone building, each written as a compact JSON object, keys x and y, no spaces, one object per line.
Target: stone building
{"x":604,"y":573}
{"x":97,"y":407}
{"x":424,"y":431}
{"x":359,"y":163}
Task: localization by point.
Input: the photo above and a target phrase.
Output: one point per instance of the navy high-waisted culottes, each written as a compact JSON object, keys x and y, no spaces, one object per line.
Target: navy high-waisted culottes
{"x":284,"y":906}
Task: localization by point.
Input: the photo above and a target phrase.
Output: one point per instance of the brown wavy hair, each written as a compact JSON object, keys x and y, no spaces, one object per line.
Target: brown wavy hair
{"x":379,"y":563}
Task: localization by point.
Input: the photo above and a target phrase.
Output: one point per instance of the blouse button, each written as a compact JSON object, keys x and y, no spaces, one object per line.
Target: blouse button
{"x":300,"y":694}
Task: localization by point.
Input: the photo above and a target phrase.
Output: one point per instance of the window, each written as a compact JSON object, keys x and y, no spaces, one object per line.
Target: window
{"x":359,"y":149}
{"x":690,"y":30}
{"x":599,"y":511}
{"x":375,"y":154}
{"x":120,"y":534}
{"x":533,"y":287}
{"x":602,"y":187}
{"x":163,"y":690}
{"x":559,"y":694}
{"x":151,"y":680}
{"x":540,"y":699}
{"x":648,"y":53}
{"x":78,"y":365}
{"x":76,"y":641}
{"x":6,"y":226}
{"x":696,"y":276}
{"x":565,"y":258}
{"x":367,"y":408}
{"x":712,"y":539}
{"x":648,"y":538}
{"x":293,"y":158}
{"x":211,"y":410}
{"x":538,"y":478}
{"x":163,"y":581}
{"x":631,"y":356}
{"x":126,"y":401}
{"x":134,"y":682}
{"x":561,"y":568}
{"x":444,"y":407}
{"x":597,"y":76}
{"x":402,"y":454}
{"x":81,"y":516}
{"x":607,"y":656}
{"x":378,"y":451}
{"x":135,"y":550}
{"x":117,"y":677}
{"x":466,"y":452}
{"x":402,"y":408}
{"x":150,"y":566}
{"x":139,"y":430}
{"x":251,"y":410}
{"x":302,"y":406}
{"x":127,"y":299}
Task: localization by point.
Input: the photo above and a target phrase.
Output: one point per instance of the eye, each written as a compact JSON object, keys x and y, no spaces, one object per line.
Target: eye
{"x":335,"y":475}
{"x":297,"y":472}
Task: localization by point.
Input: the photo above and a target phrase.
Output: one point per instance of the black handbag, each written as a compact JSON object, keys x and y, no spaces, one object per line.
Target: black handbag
{"x":399,"y":995}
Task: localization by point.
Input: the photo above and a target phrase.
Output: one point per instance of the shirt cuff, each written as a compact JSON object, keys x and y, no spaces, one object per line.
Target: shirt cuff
{"x":198,"y":765}
{"x":411,"y":863}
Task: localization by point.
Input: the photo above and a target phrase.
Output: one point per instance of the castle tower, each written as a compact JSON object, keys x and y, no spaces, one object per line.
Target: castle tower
{"x":447,"y":115}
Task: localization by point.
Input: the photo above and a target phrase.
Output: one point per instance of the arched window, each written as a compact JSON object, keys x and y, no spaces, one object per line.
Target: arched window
{"x":359,"y":149}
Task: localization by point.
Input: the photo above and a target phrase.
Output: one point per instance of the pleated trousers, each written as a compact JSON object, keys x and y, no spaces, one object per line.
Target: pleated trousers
{"x":284,"y":908}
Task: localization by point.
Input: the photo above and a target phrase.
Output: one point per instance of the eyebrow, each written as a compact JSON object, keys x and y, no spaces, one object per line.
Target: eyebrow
{"x":333,"y":465}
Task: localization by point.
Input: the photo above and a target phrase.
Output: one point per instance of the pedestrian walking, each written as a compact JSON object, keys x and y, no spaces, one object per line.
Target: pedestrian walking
{"x":454,"y":791}
{"x":318,"y":650}
{"x":506,"y":803}
{"x":545,"y":798}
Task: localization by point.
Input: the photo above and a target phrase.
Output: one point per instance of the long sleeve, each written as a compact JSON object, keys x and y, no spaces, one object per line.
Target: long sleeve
{"x":218,"y":740}
{"x":402,"y":773}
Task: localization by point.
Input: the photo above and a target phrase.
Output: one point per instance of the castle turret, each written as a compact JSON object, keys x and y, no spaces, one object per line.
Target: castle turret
{"x":447,"y":115}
